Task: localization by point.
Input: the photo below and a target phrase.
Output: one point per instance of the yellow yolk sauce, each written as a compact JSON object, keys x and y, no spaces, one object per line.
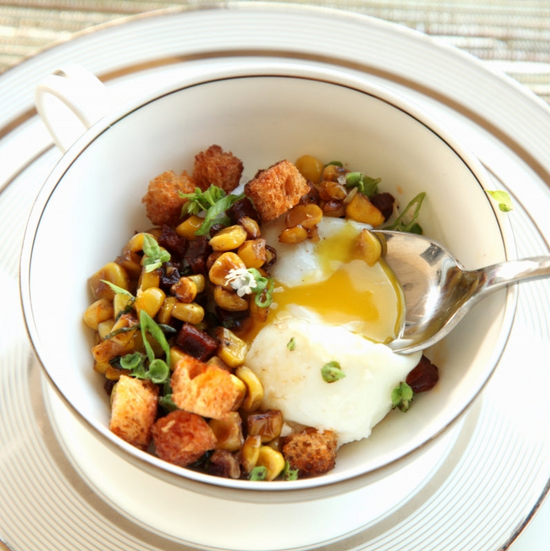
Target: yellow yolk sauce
{"x":368,"y":300}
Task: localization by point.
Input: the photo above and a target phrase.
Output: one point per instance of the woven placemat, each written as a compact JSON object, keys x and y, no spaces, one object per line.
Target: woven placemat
{"x":510,"y":35}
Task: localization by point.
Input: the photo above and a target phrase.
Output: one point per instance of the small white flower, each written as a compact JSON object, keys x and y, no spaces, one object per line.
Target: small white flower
{"x":241,"y":281}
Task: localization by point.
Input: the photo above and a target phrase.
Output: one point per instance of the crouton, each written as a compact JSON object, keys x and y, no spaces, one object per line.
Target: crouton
{"x":162,"y":200}
{"x":276,"y":190}
{"x":311,"y":452}
{"x":182,"y":438}
{"x":133,"y":410}
{"x":216,"y":167}
{"x":203,"y":389}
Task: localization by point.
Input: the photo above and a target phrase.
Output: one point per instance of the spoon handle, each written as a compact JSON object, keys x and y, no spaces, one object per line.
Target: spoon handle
{"x":500,"y":275}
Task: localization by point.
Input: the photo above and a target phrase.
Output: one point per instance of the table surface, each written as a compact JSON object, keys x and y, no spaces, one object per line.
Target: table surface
{"x":509,"y":36}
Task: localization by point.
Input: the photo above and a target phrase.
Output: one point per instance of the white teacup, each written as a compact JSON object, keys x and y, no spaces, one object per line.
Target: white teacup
{"x":262,"y":112}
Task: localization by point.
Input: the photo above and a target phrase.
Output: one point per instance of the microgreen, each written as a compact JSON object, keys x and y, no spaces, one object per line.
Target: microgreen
{"x":401,"y":396}
{"x":365,"y":184}
{"x":258,"y":473}
{"x":214,"y":202}
{"x":503,"y":199}
{"x":288,"y":473}
{"x":411,"y":225}
{"x":155,"y":257}
{"x":291,"y":344}
{"x":332,"y":372}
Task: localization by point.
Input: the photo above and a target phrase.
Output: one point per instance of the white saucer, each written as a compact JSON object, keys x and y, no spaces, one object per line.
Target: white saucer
{"x":62,"y":490}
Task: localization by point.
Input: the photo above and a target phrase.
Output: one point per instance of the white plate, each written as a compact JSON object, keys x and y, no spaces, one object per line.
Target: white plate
{"x":61,"y":490}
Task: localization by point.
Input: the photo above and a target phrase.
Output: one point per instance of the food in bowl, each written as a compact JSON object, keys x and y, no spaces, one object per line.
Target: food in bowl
{"x":250,"y":342}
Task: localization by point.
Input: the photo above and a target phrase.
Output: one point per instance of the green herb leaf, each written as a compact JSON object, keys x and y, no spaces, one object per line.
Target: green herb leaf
{"x":132,"y":361}
{"x":158,"y":372}
{"x":365,"y":184}
{"x":503,"y":199}
{"x":258,"y":473}
{"x":118,"y":290}
{"x":291,"y":345}
{"x":401,"y":396}
{"x":411,"y":225}
{"x":155,"y":257}
{"x":332,"y":372}
{"x":288,"y":473}
{"x":148,"y":324}
{"x":214,"y":202}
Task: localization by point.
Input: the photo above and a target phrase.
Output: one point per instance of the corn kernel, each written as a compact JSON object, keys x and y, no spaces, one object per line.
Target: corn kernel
{"x":332,"y":190}
{"x":367,"y":247}
{"x":254,"y":388}
{"x":135,"y":243}
{"x":218,"y":362}
{"x":272,"y":460}
{"x":164,"y":315}
{"x":131,"y":262}
{"x":267,"y":424}
{"x":191,"y":313}
{"x":104,"y":328}
{"x":121,"y":304}
{"x":112,"y":272}
{"x":333,"y":208}
{"x":188,"y":227}
{"x":241,"y":391}
{"x":307,"y":216}
{"x":310,"y":167}
{"x":252,"y":253}
{"x":231,"y":350}
{"x":250,"y":452}
{"x":229,"y":300}
{"x":222,"y":266}
{"x":149,"y":279}
{"x":185,"y":290}
{"x":251,"y":227}
{"x":228,"y":432}
{"x":199,"y":281}
{"x":229,"y":238}
{"x":149,"y":300}
{"x":101,"y":310}
{"x":101,"y":367}
{"x":362,"y":210}
{"x":333,"y":172}
{"x":176,"y":354}
{"x":290,"y":236}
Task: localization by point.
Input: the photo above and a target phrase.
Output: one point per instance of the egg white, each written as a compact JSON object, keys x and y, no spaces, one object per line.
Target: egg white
{"x":293,"y":382}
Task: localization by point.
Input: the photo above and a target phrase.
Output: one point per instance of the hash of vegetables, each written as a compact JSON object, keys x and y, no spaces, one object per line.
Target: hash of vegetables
{"x":174,"y":313}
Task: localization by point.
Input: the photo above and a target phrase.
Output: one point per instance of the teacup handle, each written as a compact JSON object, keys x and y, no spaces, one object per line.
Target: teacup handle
{"x":69,"y":101}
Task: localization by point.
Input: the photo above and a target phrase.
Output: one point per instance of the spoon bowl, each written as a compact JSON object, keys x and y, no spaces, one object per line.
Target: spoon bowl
{"x":438,"y":290}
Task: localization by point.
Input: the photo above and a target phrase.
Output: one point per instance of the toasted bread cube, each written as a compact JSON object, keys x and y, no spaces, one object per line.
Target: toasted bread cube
{"x":310,"y":451}
{"x":182,"y":438}
{"x":133,"y":410}
{"x":276,"y":190}
{"x":203,"y":389}
{"x":216,"y":167}
{"x":162,"y":200}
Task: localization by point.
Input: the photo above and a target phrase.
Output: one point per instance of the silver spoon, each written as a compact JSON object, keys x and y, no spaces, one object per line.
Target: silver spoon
{"x":438,"y":291}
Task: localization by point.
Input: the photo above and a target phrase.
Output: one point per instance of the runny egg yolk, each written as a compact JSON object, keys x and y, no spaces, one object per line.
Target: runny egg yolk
{"x":367,"y":299}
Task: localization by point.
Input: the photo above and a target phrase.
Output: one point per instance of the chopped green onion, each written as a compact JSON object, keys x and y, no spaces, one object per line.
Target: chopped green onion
{"x":411,"y":226}
{"x":401,"y":397}
{"x":258,"y":473}
{"x":332,"y":372}
{"x":291,"y":344}
{"x":118,"y":290}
